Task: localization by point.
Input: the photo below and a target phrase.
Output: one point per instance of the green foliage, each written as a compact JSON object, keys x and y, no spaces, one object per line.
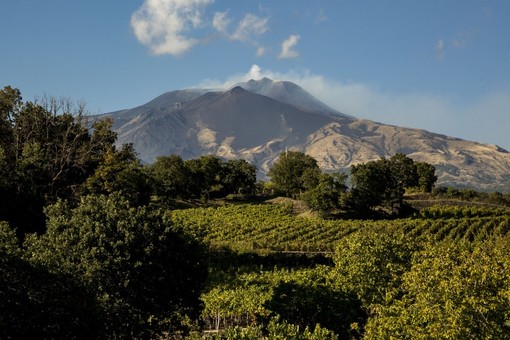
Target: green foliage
{"x":47,"y":152}
{"x":426,"y":176}
{"x":141,"y":270}
{"x":35,"y":303}
{"x":284,"y":330}
{"x":250,"y":298}
{"x":209,"y":176}
{"x":120,"y":172}
{"x":171,"y":177}
{"x":293,"y":173}
{"x":383,"y":182}
{"x":452,"y":291}
{"x":243,"y":333}
{"x":308,"y":305}
{"x":325,"y":197}
{"x":239,"y":177}
{"x":371,"y":263}
{"x":8,"y":240}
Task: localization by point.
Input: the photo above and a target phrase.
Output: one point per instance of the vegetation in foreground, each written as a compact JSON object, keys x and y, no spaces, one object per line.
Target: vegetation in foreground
{"x":92,"y":245}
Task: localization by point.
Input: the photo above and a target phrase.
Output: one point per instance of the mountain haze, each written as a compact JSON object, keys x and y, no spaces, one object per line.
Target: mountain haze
{"x":259,"y":119}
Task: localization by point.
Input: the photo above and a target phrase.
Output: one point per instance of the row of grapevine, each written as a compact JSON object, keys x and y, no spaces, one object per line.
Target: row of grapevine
{"x":273,"y":228}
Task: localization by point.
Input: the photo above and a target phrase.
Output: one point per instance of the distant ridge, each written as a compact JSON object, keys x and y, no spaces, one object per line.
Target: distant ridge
{"x":258,"y":119}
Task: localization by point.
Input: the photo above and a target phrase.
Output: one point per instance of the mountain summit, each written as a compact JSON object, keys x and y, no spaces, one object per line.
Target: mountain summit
{"x":258,"y":119}
{"x":289,"y":93}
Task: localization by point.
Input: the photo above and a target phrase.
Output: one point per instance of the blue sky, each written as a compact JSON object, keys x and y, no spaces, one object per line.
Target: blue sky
{"x":443,"y":66}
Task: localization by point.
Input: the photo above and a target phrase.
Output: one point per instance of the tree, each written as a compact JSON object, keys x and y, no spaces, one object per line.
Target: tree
{"x":205,"y":176}
{"x":325,"y":197}
{"x":369,"y":184}
{"x":35,"y":303}
{"x":143,"y":271}
{"x":171,"y":177}
{"x":49,"y":151}
{"x":384,"y":182}
{"x":121,"y":172}
{"x":426,"y":176}
{"x":239,"y":177}
{"x":294,"y":172}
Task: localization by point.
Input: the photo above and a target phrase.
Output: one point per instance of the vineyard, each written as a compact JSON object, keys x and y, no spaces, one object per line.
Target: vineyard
{"x":273,"y":228}
{"x":448,"y":265}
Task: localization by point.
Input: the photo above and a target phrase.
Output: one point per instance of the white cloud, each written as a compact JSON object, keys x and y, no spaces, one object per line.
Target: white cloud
{"x":288,"y":47}
{"x":261,"y":51}
{"x":439,"y":48}
{"x":485,"y":119}
{"x":247,"y":29}
{"x":162,"y":24}
{"x":171,"y":26}
{"x":221,"y":21}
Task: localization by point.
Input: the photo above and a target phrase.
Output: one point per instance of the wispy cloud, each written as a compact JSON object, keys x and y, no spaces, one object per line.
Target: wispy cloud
{"x":250,"y":27}
{"x":321,"y":16}
{"x":461,"y":40}
{"x":288,"y":46}
{"x":261,"y":51}
{"x":487,"y":115}
{"x":439,"y":48}
{"x":162,"y":24}
{"x":221,"y":21}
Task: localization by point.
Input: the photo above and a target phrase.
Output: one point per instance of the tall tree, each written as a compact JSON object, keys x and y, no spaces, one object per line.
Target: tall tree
{"x":48,"y":151}
{"x":239,"y":177}
{"x":294,"y":172}
{"x":426,"y":176}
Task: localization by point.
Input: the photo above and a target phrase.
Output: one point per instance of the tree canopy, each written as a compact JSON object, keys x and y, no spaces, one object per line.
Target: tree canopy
{"x":294,"y":173}
{"x":143,"y":271}
{"x":383,"y":182}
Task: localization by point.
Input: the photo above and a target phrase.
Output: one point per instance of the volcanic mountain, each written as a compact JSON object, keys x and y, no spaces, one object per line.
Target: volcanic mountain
{"x":259,"y":119}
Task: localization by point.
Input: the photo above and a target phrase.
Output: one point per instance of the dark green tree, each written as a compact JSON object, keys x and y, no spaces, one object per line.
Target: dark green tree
{"x":121,"y":171}
{"x":369,"y":184}
{"x":384,"y":182}
{"x":294,"y":173}
{"x":205,"y":176}
{"x":326,"y":196}
{"x":171,"y":177}
{"x":143,"y":271}
{"x":48,"y":151}
{"x":35,"y":303}
{"x":426,"y":176}
{"x":239,"y":177}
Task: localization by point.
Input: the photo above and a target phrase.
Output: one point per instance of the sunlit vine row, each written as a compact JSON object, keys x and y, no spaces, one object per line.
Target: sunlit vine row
{"x":274,"y":228}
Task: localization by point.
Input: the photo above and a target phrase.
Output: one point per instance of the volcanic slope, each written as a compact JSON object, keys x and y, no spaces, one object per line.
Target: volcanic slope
{"x":259,"y":119}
